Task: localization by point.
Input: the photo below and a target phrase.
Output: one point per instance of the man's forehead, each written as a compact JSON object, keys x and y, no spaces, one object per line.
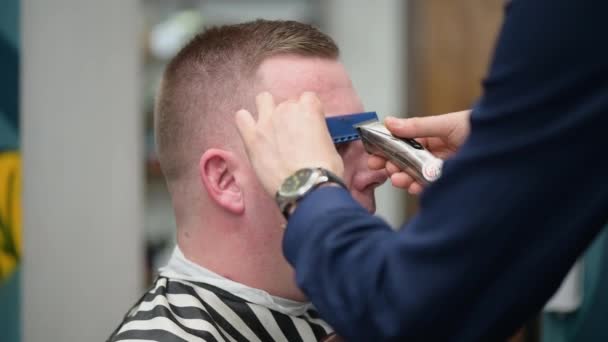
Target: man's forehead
{"x":286,"y":77}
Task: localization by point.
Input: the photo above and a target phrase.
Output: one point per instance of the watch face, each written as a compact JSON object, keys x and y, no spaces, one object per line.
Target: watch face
{"x":294,"y":183}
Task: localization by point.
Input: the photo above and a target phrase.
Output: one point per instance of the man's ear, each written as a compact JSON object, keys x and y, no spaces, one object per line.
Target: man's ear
{"x":216,"y":170}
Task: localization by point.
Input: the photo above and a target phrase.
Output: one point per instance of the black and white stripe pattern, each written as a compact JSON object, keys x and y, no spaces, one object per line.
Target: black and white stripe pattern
{"x":180,"y":310}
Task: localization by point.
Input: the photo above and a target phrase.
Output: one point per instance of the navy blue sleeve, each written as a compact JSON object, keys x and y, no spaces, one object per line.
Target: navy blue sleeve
{"x":514,"y":208}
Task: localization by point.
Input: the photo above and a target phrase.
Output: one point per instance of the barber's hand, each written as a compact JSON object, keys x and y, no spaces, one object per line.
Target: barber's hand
{"x":442,"y":135}
{"x":286,"y":138}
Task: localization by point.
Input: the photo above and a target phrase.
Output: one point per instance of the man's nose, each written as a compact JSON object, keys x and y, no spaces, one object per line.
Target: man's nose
{"x":366,"y":178}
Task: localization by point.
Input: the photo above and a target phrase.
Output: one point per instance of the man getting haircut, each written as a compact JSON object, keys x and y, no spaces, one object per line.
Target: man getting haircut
{"x":227,"y":279}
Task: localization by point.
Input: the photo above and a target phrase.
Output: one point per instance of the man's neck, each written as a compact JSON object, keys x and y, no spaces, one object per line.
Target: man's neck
{"x":250,"y":256}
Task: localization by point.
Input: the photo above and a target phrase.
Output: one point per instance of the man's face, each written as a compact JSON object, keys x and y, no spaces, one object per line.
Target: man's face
{"x":288,"y":76}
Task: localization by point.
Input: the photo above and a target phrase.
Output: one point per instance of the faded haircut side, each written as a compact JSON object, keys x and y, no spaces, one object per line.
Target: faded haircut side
{"x":212,"y":77}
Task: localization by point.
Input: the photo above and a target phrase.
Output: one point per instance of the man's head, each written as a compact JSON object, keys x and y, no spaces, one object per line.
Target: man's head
{"x":225,"y":220}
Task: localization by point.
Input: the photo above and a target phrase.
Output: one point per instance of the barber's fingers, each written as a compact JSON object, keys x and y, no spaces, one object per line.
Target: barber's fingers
{"x":265,"y":105}
{"x":399,"y":178}
{"x":392,"y":168}
{"x":405,"y":181}
{"x":311,"y":103}
{"x":246,"y":126}
{"x":415,"y":189}
{"x":428,"y":126}
{"x":376,"y":163}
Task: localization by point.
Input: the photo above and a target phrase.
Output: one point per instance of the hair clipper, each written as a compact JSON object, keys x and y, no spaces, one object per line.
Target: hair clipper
{"x":407,"y":154}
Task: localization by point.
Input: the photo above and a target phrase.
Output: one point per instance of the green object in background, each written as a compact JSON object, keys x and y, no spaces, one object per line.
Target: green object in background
{"x":8,"y":135}
{"x":10,"y":175}
{"x":9,"y":307}
{"x":590,"y":321}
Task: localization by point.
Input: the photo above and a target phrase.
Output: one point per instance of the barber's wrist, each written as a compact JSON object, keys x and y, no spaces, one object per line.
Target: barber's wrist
{"x":300,"y":184}
{"x":294,"y":205}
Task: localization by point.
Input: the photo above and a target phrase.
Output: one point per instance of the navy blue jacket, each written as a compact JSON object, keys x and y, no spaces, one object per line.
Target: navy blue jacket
{"x":524,"y":196}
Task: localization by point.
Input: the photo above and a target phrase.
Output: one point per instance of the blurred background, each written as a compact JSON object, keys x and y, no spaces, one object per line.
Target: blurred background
{"x":85,"y":218}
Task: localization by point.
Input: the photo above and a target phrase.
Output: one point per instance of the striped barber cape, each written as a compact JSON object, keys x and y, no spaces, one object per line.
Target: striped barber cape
{"x":190,"y":303}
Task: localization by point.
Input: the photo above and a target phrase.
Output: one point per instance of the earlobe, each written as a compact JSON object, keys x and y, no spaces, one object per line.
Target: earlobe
{"x":217,"y":174}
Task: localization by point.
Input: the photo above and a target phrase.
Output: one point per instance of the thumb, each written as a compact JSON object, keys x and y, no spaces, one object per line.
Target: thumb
{"x":419,"y":127}
{"x":246,"y":126}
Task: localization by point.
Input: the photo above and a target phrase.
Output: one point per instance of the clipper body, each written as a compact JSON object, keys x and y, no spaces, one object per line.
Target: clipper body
{"x":407,"y":154}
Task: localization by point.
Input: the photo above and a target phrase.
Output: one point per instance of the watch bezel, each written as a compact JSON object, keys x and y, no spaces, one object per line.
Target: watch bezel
{"x":287,"y":199}
{"x":303,"y":188}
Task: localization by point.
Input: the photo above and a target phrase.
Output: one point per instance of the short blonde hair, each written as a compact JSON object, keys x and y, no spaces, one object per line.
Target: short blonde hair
{"x":211,"y":78}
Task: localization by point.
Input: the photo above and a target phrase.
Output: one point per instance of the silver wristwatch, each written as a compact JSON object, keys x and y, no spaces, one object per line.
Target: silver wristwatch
{"x":301,"y":183}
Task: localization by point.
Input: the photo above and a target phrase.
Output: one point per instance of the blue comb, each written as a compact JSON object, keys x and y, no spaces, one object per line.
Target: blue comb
{"x":342,"y":127}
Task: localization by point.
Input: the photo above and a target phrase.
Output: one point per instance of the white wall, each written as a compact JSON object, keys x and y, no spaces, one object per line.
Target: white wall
{"x":82,"y":167}
{"x":371,"y":37}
